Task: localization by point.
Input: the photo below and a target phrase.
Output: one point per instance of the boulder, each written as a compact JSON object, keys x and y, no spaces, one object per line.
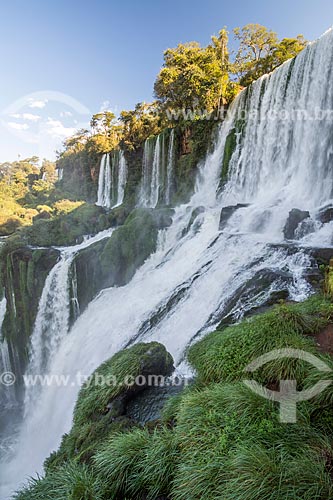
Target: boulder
{"x":101,"y":408}
{"x":295,"y":217}
{"x":119,"y":379}
{"x":325,"y":214}
{"x":227,"y":212}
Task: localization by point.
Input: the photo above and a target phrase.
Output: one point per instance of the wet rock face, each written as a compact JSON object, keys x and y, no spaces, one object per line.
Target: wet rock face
{"x":295,"y":217}
{"x":24,"y":271}
{"x":113,"y":262}
{"x":227,"y":212}
{"x":147,"y":406}
{"x":150,"y":361}
{"x":325,"y":214}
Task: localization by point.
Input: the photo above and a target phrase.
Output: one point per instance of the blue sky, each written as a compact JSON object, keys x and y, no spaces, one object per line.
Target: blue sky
{"x":62,"y":61}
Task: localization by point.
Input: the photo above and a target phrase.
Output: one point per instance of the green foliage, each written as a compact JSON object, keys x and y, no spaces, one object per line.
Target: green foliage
{"x":139,"y":463}
{"x":63,"y":207}
{"x":223,"y":355}
{"x":260,"y":51}
{"x":26,"y":191}
{"x":139,"y":124}
{"x":64,"y":229}
{"x":70,"y":482}
{"x":107,"y":132}
{"x":192,"y":77}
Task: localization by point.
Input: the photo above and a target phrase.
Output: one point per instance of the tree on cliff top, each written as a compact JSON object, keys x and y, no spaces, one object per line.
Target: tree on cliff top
{"x":140,"y":123}
{"x":260,"y":51}
{"x":191,"y":77}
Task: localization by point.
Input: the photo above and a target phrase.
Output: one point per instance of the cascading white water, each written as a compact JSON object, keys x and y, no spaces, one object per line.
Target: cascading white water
{"x":5,"y":362}
{"x":104,"y":183}
{"x":52,"y":321}
{"x":122,"y":178}
{"x":279,"y":163}
{"x":151,"y":173}
{"x":170,"y":167}
{"x":4,"y":357}
{"x":3,"y":305}
{"x":156,"y":174}
{"x":112,"y":180}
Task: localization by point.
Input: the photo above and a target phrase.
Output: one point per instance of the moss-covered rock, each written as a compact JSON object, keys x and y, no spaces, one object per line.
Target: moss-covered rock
{"x":100,"y":410}
{"x":231,"y":142}
{"x":114,"y":261}
{"x":24,"y":271}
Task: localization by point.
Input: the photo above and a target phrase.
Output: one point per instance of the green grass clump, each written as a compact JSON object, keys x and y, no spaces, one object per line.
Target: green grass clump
{"x":69,"y":482}
{"x":210,"y":423}
{"x":120,"y":463}
{"x":223,"y":355}
{"x":214,"y":424}
{"x":159,"y":463}
{"x":256,"y":472}
{"x":138,"y":463}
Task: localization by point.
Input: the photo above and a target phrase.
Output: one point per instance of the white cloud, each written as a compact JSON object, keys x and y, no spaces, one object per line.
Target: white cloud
{"x":64,"y":114}
{"x":26,"y":116}
{"x":57,"y":129}
{"x":35,"y":103}
{"x":18,"y":126}
{"x":106,"y":106}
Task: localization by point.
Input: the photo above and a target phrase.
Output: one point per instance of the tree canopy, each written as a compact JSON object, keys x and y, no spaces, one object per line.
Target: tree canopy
{"x":195,"y":78}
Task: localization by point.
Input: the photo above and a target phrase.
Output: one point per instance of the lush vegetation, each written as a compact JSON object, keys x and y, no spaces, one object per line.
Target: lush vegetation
{"x":215,"y":440}
{"x":194,"y":83}
{"x":30,"y":193}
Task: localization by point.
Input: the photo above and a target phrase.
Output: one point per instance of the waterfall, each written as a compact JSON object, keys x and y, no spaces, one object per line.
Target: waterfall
{"x":148,"y":154}
{"x":104,"y":183}
{"x":156,"y":174}
{"x":170,"y":167}
{"x":52,"y":321}
{"x":280,"y":162}
{"x":157,"y":170}
{"x":75,"y":301}
{"x":122,"y":178}
{"x":151,"y":173}
{"x":3,"y":305}
{"x":112,"y":180}
{"x":5,"y":365}
{"x":5,"y":362}
{"x":60,"y":174}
